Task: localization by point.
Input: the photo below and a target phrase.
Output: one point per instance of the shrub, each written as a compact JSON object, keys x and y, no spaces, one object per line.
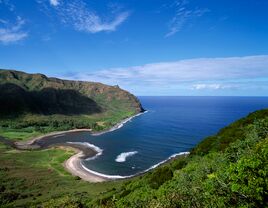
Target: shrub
{"x":160,"y":176}
{"x":248,"y":177}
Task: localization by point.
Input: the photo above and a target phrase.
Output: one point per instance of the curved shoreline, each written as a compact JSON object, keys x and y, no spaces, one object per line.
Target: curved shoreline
{"x":29,"y":143}
{"x":118,"y":125}
{"x":74,"y":164}
{"x":84,"y":150}
{"x":117,"y":177}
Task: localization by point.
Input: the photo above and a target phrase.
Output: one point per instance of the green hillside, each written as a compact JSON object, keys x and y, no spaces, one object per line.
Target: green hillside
{"x":228,"y":169}
{"x":35,"y":104}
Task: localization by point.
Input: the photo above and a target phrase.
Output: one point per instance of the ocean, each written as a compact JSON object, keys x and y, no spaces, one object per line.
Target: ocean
{"x":170,"y":126}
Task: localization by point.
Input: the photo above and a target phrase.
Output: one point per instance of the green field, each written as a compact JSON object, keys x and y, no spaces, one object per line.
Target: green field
{"x":33,"y":177}
{"x":30,"y":126}
{"x":16,"y":135}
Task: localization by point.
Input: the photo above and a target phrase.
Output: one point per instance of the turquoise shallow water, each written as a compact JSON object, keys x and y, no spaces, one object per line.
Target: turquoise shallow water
{"x":171,"y":125}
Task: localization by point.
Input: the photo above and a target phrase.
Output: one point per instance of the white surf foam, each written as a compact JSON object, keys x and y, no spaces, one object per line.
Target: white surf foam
{"x":160,"y":163}
{"x":119,"y":125}
{"x":59,"y":135}
{"x":91,"y":146}
{"x":103,"y":175}
{"x":129,"y":176}
{"x":124,"y":155}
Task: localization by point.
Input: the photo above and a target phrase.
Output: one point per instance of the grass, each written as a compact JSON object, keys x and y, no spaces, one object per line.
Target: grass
{"x":30,"y":126}
{"x":37,"y":176}
{"x":14,"y":134}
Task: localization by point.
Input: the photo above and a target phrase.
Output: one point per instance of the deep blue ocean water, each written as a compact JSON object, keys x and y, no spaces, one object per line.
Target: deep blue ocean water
{"x":171,"y":125}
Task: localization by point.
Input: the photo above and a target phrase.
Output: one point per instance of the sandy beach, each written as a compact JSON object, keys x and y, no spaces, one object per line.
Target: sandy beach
{"x":73,"y":165}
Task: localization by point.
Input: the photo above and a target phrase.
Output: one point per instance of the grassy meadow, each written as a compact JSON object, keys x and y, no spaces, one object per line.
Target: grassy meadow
{"x":28,"y":178}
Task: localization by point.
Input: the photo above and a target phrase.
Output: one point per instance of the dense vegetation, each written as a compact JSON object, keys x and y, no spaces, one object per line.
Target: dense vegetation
{"x":34,"y":104}
{"x":226,"y":170}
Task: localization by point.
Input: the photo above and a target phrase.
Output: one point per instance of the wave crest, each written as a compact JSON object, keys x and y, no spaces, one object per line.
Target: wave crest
{"x":114,"y":177}
{"x":91,"y":146}
{"x":123,"y":156}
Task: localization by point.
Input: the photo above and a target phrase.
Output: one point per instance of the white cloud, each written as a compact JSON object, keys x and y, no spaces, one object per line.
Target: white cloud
{"x":54,"y":2}
{"x":183,"y":15}
{"x":89,"y":22}
{"x":209,"y":86}
{"x":188,"y":70}
{"x":10,"y":33}
{"x":78,"y":15}
{"x":197,"y":74}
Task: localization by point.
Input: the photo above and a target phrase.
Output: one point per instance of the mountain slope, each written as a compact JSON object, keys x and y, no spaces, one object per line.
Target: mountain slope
{"x":15,"y":100}
{"x":35,"y":97}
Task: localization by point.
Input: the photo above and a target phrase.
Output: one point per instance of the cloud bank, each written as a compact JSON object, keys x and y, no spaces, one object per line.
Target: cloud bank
{"x":192,"y":74}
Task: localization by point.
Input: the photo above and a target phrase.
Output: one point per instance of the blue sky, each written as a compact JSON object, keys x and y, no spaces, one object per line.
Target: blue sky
{"x":150,"y":47}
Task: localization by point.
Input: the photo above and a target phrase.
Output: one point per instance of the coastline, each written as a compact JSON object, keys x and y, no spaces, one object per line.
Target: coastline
{"x":29,"y":144}
{"x":83,"y":150}
{"x":106,"y":177}
{"x":118,"y":125}
{"x":74,"y":164}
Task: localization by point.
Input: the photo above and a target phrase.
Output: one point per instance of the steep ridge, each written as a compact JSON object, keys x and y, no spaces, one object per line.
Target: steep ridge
{"x":25,"y":96}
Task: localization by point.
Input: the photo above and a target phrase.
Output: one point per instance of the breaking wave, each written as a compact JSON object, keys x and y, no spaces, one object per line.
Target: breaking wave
{"x":91,"y":146}
{"x":124,"y":155}
{"x":113,"y":177}
{"x":119,"y":125}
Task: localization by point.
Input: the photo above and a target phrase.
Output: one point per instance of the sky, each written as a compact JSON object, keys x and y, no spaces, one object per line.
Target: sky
{"x":149,"y":47}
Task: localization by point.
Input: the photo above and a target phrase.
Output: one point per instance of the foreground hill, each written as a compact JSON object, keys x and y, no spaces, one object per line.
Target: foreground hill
{"x":47,"y":104}
{"x":228,"y":169}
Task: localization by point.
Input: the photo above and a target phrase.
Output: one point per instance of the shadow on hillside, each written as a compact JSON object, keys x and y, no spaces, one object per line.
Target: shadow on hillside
{"x":14,"y":101}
